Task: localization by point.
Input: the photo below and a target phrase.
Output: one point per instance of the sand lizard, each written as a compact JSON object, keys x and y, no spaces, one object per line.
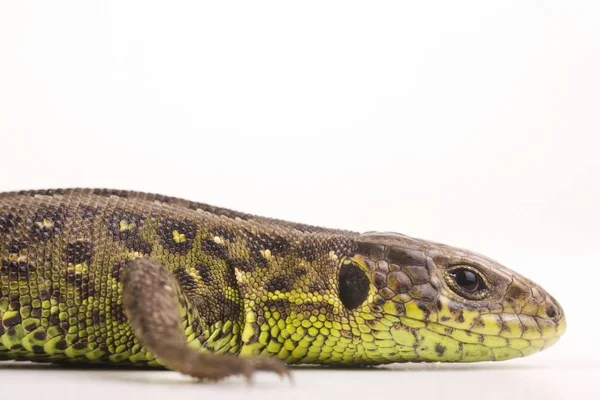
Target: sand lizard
{"x":108,"y":276}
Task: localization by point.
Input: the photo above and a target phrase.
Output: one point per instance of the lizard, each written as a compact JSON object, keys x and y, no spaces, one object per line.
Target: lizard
{"x":114,"y":277}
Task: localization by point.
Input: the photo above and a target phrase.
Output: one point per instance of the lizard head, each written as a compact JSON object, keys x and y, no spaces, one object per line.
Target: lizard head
{"x":416,"y":300}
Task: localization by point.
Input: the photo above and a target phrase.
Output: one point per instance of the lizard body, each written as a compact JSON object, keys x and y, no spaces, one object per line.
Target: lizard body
{"x":104,"y":276}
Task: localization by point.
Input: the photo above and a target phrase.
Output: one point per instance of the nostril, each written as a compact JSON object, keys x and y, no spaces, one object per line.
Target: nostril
{"x":551,"y":311}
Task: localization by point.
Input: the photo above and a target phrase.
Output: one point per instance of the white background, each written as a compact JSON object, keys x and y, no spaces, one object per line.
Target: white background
{"x":471,"y":123}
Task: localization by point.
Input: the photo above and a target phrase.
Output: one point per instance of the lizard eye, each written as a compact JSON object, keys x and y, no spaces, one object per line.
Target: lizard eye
{"x":353,"y":286}
{"x":467,"y":282}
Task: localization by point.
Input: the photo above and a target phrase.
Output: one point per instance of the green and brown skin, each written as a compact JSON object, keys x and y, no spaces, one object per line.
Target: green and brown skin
{"x":104,"y":276}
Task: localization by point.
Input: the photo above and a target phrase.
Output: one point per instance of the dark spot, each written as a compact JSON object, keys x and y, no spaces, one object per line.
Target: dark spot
{"x":61,"y":345}
{"x":277,"y":304}
{"x":39,"y":335}
{"x":37,"y":349}
{"x":551,"y":311}
{"x":8,"y":221}
{"x":204,"y":272}
{"x":280,"y":283}
{"x":481,"y":324}
{"x":123,"y":224}
{"x":317,"y":286}
{"x":184,"y":230}
{"x":241,"y":264}
{"x":78,"y":252}
{"x":353,"y":286}
{"x":284,"y":283}
{"x":277,"y":244}
{"x":455,"y":308}
{"x":445,"y":318}
{"x":15,"y":247}
{"x":64,"y":326}
{"x":16,"y":270}
{"x":438,"y":304}
{"x":44,"y":295}
{"x":399,"y":282}
{"x":423,"y":307}
{"x":134,"y":242}
{"x":55,"y":292}
{"x":12,"y":321}
{"x":223,"y":232}
{"x":185,"y":280}
{"x":36,"y":312}
{"x":440,"y":349}
{"x":258,"y":259}
{"x":117,"y":314}
{"x":515,"y":292}
{"x":400,"y":308}
{"x":378,"y":300}
{"x":230,"y":310}
{"x":47,"y":221}
{"x":53,"y":319}
{"x":87,"y":212}
{"x":96,"y":317}
{"x":15,"y":305}
{"x":460,"y":317}
{"x":80,"y":345}
{"x":213,"y":248}
{"x":117,"y":268}
{"x":380,"y":280}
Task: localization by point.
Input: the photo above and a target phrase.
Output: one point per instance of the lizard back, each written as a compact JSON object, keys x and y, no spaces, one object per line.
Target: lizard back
{"x":62,"y":253}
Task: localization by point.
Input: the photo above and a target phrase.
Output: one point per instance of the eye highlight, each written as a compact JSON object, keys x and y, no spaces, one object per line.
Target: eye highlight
{"x":467,"y":282}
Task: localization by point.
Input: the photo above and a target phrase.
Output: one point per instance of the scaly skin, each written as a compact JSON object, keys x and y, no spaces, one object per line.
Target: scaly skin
{"x":124,"y":277}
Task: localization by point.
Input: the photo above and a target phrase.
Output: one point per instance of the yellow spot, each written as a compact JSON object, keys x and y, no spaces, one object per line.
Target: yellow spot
{"x":466,"y":337}
{"x":504,"y":353}
{"x":529,"y":309}
{"x":289,"y":345}
{"x":518,"y":344}
{"x":511,"y":326}
{"x":50,"y":345}
{"x":413,"y":323}
{"x":403,"y":336}
{"x":178,"y":237}
{"x":476,"y":352}
{"x":531,"y":330}
{"x":494,"y":341}
{"x":45,"y":224}
{"x":263,"y":338}
{"x":267,"y":254}
{"x":488,"y":324}
{"x":273,"y":347}
{"x":124,"y":226}
{"x":333,"y":256}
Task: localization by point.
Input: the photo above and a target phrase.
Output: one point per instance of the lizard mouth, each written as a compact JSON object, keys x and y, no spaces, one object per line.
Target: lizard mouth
{"x":489,"y":337}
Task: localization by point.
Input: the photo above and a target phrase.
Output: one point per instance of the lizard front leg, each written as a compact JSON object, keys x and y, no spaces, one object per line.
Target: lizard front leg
{"x":153,"y":301}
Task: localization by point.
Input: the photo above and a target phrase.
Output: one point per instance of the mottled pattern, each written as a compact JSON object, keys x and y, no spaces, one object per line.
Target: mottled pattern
{"x":246,"y":285}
